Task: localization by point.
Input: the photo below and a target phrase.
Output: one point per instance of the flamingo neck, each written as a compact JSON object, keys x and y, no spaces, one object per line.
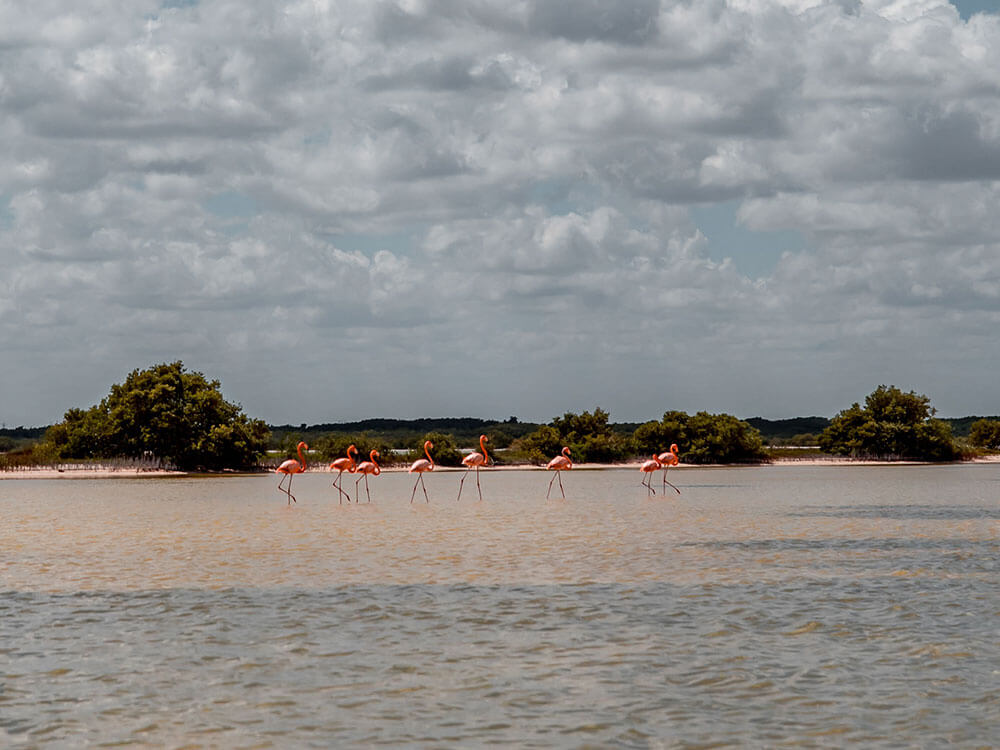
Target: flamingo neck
{"x":428,"y":454}
{"x":302,"y":459}
{"x":482,"y":447}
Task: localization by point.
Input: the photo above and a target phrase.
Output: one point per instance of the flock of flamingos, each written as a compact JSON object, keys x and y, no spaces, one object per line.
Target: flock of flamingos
{"x":472,"y":461}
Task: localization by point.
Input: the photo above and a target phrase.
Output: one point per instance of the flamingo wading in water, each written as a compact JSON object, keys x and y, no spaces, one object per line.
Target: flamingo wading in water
{"x":365,"y":468}
{"x":475,"y":460}
{"x":290,"y":467}
{"x":419,"y":467}
{"x":667,"y":460}
{"x":649,"y":468}
{"x":559,"y":464}
{"x":340,"y":466}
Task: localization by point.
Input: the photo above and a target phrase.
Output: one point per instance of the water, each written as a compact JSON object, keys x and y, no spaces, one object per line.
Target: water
{"x":764,"y":607}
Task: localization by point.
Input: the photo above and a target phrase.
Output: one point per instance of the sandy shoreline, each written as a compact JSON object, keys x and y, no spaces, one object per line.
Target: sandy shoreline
{"x":89,"y":473}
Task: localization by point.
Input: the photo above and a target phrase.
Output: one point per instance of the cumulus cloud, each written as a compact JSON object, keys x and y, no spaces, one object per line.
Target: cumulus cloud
{"x":408,"y":208}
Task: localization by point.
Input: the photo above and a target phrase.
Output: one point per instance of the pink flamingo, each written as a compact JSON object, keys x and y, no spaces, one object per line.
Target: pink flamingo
{"x":649,"y":468}
{"x":667,"y":460}
{"x":340,"y":466}
{"x":365,"y":468}
{"x":559,"y":464}
{"x":475,"y":460}
{"x":419,"y":467}
{"x":290,"y":467}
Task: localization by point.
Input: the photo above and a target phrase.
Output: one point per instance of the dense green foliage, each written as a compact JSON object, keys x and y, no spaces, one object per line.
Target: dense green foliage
{"x":330,"y":447}
{"x":797,"y":430}
{"x":407,"y":433}
{"x":703,"y":439}
{"x":445,"y":451}
{"x":181,"y":419}
{"x":588,"y":436}
{"x":892,"y":425}
{"x":985,"y":433}
{"x":176,"y":416}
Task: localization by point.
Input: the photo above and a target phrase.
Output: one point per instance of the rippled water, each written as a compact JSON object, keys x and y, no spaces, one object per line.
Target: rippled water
{"x":764,"y":607}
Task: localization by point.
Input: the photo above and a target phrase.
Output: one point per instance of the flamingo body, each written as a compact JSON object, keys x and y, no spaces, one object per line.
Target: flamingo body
{"x":668,"y":459}
{"x":475,"y":460}
{"x":290,"y":468}
{"x":340,"y":466}
{"x":558,"y":464}
{"x":649,"y":468}
{"x":420,"y":467}
{"x":365,"y":468}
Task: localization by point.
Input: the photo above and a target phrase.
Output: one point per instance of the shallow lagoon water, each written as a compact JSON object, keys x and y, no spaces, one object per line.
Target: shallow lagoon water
{"x":764,"y":607}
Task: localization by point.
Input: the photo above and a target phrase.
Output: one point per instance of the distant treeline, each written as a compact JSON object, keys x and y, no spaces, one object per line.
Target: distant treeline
{"x":782,"y":430}
{"x":409,"y":433}
{"x":180,"y":419}
{"x":466,"y":430}
{"x":23,"y":433}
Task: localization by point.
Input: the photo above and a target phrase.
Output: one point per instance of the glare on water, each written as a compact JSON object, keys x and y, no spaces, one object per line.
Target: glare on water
{"x":761,"y":606}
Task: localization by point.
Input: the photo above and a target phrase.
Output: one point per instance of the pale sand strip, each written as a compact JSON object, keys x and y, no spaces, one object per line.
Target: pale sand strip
{"x":69,"y":473}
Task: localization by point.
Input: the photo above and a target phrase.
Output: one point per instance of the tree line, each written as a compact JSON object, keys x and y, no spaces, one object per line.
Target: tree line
{"x":181,"y":420}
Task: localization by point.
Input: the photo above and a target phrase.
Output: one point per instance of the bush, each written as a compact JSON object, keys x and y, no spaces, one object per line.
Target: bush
{"x":179,"y":417}
{"x":985,"y":433}
{"x":892,"y":425}
{"x":702,"y":439}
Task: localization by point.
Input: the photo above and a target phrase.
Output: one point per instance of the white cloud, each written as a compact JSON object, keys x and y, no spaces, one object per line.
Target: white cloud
{"x":428,"y":208}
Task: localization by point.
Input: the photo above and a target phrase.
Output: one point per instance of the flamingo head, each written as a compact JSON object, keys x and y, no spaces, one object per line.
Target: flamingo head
{"x":374,"y":454}
{"x":674,"y":449}
{"x":301,"y":446}
{"x":565,"y":451}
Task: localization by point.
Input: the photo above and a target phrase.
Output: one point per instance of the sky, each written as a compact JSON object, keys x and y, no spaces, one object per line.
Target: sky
{"x":346,"y":209}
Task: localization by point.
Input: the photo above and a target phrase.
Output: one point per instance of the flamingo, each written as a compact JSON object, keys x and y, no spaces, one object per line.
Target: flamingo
{"x":419,"y":467}
{"x":668,"y":459}
{"x":477,"y":460}
{"x":341,"y":465}
{"x":558,"y":464}
{"x":365,"y":468}
{"x":649,"y":468}
{"x":290,"y":467}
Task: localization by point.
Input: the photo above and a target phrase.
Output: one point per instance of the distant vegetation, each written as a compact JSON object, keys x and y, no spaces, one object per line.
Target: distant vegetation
{"x":985,"y":433}
{"x":891,"y":425}
{"x":179,"y":418}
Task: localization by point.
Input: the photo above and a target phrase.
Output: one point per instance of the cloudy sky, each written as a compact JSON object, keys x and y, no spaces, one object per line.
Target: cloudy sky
{"x":346,"y":209}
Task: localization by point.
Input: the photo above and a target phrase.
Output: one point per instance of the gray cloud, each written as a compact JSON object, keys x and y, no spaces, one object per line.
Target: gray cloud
{"x":429,"y":207}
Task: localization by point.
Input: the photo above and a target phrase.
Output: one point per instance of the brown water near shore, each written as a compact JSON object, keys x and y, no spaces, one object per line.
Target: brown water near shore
{"x":799,"y":606}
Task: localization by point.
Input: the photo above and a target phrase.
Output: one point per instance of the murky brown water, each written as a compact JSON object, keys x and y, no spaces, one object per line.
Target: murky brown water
{"x":786,"y":606}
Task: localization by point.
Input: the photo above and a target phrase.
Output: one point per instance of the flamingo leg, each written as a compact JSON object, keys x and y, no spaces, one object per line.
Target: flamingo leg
{"x":420,"y":481}
{"x":341,"y":491}
{"x":366,"y":489}
{"x":460,"y":484}
{"x":550,"y":485}
{"x":559,"y":474}
{"x":477,"y":485}
{"x":289,"y":491}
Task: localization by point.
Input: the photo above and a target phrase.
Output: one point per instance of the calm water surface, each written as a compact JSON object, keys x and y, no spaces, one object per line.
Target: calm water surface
{"x":763,"y":607}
